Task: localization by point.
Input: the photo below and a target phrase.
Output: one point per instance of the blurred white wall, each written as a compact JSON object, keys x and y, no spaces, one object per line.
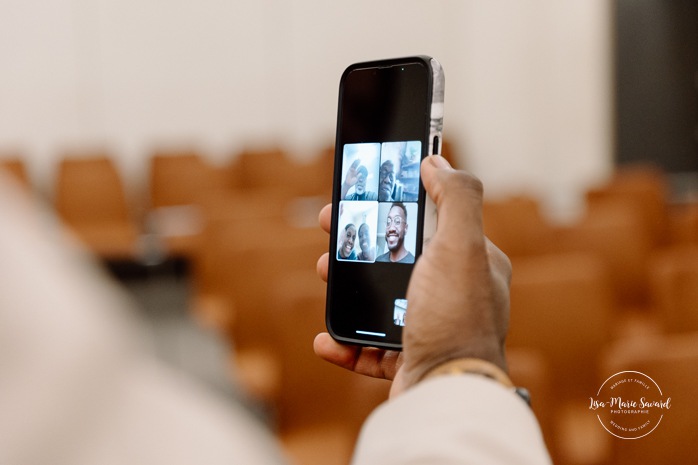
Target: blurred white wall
{"x":528,"y":83}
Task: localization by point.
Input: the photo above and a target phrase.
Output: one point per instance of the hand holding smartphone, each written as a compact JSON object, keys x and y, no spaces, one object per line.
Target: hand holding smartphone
{"x":390,"y":117}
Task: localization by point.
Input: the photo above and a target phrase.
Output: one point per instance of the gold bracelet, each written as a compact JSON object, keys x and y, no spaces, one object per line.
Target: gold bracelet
{"x":478,"y":366}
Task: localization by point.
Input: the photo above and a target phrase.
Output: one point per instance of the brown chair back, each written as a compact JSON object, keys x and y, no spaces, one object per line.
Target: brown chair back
{"x":91,"y":199}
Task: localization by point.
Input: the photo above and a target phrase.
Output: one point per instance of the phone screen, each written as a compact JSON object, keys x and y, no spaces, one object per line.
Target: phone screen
{"x":383,"y":133}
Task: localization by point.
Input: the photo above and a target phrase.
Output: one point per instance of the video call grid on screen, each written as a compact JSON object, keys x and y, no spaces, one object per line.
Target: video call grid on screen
{"x":379,"y":194}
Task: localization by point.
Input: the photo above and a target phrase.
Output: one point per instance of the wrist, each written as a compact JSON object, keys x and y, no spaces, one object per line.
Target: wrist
{"x":476,"y":366}
{"x":470,"y":365}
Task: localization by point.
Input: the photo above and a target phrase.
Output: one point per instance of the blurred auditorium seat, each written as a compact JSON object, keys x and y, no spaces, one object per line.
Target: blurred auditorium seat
{"x":179,"y":177}
{"x":259,"y":228}
{"x":179,"y":182}
{"x":562,"y":308}
{"x":264,"y":168}
{"x":90,"y":198}
{"x":627,"y":217}
{"x":251,"y":272}
{"x":672,"y":362}
{"x":250,"y":240}
{"x":615,"y":230}
{"x":278,"y":169}
{"x":683,"y":223}
{"x":517,"y":226}
{"x":643,"y":188}
{"x":674,"y":287}
{"x":232,"y":219}
{"x":562,"y":305}
{"x":314,"y":175}
{"x":321,"y":407}
{"x":267,"y":273}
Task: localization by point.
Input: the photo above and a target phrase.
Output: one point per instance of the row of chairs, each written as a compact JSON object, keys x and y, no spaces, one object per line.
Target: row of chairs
{"x":254,"y":279}
{"x":263,"y":269}
{"x":183,"y":188}
{"x":92,"y":199}
{"x":248,"y":229}
{"x":615,"y":291}
{"x":249,"y":232}
{"x":580,"y":293}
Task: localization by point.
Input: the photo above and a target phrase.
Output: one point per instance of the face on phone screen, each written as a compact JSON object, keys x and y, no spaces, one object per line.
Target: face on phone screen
{"x":382,"y":136}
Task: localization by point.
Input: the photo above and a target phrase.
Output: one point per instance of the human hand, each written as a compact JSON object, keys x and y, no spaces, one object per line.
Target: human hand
{"x":458,"y":294}
{"x":459,"y":290}
{"x":369,"y":361}
{"x":351,"y":178}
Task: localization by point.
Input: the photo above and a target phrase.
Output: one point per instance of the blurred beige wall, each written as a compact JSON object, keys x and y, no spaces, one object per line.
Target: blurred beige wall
{"x":527,"y":82}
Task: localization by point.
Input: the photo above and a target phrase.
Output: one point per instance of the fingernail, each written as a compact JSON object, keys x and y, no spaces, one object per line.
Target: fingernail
{"x":439,"y":162}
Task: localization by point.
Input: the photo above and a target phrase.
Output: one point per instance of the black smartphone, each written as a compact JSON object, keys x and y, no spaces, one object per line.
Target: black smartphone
{"x":390,"y":117}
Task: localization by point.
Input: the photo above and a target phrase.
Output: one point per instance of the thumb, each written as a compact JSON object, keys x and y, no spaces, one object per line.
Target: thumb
{"x":458,"y":198}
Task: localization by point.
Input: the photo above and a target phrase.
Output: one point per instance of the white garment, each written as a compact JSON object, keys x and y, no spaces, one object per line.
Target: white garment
{"x":464,"y":419}
{"x":78,"y":383}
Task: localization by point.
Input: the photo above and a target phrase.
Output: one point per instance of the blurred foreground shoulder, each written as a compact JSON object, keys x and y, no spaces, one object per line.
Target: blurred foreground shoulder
{"x":464,"y":419}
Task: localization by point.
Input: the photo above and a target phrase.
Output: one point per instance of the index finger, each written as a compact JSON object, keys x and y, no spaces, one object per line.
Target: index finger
{"x":368,"y":361}
{"x":325,"y":217}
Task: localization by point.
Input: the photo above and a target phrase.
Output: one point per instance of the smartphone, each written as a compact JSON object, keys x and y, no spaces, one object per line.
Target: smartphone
{"x":390,"y":117}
